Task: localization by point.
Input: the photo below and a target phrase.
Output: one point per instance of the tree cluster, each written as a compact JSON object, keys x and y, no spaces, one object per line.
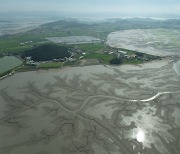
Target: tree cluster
{"x":47,"y":52}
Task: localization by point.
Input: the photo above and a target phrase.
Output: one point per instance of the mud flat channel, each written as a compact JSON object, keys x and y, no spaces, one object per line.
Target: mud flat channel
{"x":91,"y":110}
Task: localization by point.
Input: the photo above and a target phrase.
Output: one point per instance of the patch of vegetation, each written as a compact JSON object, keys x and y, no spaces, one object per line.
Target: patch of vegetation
{"x":1,"y":55}
{"x":133,"y":61}
{"x":50,"y":65}
{"x":47,"y":52}
{"x":116,"y":61}
{"x":103,"y":58}
{"x":71,"y":63}
{"x":25,"y":68}
{"x":11,"y":45}
{"x":92,"y":47}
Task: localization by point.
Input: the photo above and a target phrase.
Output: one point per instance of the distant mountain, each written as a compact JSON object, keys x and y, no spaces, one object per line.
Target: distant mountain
{"x":115,"y":24}
{"x":71,"y":23}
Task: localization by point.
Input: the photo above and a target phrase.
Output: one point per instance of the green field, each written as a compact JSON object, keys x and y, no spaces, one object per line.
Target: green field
{"x":50,"y":65}
{"x":92,"y":47}
{"x":102,"y":57}
{"x":12,"y":43}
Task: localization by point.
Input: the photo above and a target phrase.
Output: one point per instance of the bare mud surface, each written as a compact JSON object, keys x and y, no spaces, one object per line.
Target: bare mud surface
{"x":73,"y":39}
{"x":161,"y":42}
{"x":92,"y":110}
{"x":18,"y":24}
{"x":177,"y":67}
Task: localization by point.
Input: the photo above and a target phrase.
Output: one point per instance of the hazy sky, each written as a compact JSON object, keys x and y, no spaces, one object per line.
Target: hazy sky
{"x":136,"y":7}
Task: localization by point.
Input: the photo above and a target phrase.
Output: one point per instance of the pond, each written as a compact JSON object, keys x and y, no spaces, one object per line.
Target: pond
{"x":9,"y":62}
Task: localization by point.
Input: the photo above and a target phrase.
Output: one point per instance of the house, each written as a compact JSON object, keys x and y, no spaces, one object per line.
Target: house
{"x":31,"y":63}
{"x":111,"y":53}
{"x":105,"y":51}
{"x":28,"y":58}
{"x":133,"y":56}
{"x":122,"y":52}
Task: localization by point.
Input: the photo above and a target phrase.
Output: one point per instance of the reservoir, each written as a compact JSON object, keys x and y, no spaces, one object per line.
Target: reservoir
{"x":9,"y":62}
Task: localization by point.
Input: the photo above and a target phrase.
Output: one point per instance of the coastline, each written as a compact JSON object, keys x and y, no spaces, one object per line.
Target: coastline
{"x":124,"y":67}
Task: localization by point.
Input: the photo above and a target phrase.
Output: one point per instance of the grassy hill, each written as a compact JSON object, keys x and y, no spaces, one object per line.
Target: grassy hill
{"x":47,"y":52}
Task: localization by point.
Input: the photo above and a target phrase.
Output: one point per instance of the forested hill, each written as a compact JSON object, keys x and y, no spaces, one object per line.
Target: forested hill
{"x":47,"y":52}
{"x":67,"y":24}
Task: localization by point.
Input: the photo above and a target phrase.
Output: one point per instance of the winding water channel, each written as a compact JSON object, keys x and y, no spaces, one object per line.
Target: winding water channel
{"x":176,"y":68}
{"x":155,"y":96}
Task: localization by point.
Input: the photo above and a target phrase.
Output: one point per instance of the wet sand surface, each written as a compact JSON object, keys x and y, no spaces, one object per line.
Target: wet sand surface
{"x":92,"y":110}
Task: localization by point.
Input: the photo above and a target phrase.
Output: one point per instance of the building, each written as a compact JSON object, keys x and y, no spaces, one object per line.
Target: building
{"x":122,"y":52}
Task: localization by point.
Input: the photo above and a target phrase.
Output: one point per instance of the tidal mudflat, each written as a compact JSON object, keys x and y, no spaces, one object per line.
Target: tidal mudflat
{"x":18,"y":24}
{"x":92,"y":110}
{"x":73,"y":39}
{"x":161,"y":42}
{"x":177,"y":67}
